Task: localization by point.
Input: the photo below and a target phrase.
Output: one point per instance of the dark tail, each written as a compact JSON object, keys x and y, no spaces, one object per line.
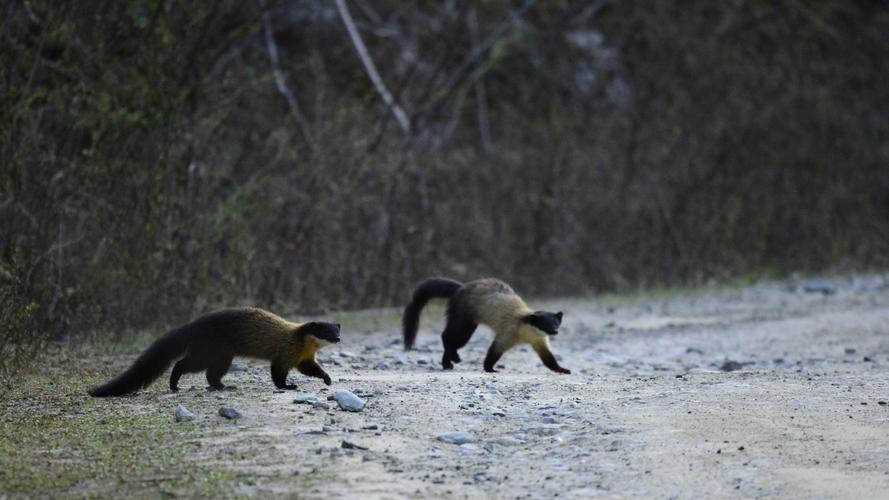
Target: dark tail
{"x":148,"y":366}
{"x":432,"y":288}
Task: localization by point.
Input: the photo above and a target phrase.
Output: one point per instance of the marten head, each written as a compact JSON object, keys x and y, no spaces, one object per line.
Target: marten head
{"x":324,"y":333}
{"x":545,"y":321}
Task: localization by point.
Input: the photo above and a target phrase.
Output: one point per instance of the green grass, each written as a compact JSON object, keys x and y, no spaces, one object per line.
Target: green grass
{"x":384,"y":319}
{"x":55,"y":440}
{"x":660,"y":294}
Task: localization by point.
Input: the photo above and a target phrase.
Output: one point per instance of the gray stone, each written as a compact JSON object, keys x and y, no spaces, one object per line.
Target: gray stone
{"x":508,"y":441}
{"x":731,"y":365}
{"x":351,"y":446}
{"x":229,"y":413}
{"x":348,"y":401}
{"x":183,"y":415}
{"x":320,"y":405}
{"x":550,"y":420}
{"x":309,"y":399}
{"x":823,"y":287}
{"x":456,"y":437}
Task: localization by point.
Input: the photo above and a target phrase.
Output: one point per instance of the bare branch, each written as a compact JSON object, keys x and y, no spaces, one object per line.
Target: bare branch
{"x":280,"y":82}
{"x":372,"y":72}
{"x":481,"y":98}
{"x":590,"y":11}
{"x":463,"y":70}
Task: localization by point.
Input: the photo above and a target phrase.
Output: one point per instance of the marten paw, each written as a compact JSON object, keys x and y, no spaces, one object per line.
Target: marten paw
{"x":327,"y":380}
{"x":565,"y":371}
{"x":289,"y":387}
{"x":214,"y":388}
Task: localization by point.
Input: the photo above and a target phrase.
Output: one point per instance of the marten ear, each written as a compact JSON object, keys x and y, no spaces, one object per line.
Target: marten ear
{"x":305,"y":328}
{"x":559,"y":317}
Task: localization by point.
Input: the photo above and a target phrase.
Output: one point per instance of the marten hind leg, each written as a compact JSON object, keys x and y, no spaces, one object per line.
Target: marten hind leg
{"x":217,"y":368}
{"x":279,"y":375}
{"x":456,"y":334}
{"x":188,"y":364}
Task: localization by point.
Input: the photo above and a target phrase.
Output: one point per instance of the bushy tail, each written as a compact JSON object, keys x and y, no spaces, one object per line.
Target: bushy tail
{"x":148,"y":366}
{"x":432,"y":288}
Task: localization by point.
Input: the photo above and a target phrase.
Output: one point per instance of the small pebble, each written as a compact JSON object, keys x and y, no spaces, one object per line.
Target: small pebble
{"x":229,"y":413}
{"x":730,"y":366}
{"x":508,"y":441}
{"x":456,"y":437}
{"x":183,"y":415}
{"x":351,"y":446}
{"x":307,"y":398}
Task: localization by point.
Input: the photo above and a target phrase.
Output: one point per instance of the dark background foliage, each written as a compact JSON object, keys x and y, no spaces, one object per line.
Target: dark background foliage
{"x":154,"y":168}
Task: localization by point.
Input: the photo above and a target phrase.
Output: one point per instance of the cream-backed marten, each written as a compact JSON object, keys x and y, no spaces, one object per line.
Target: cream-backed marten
{"x":211,"y":341}
{"x":490,"y":302}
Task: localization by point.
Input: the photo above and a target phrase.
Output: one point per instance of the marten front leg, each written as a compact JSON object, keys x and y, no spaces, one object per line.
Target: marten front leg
{"x":313,"y":369}
{"x":279,"y":376}
{"x":546,"y":355}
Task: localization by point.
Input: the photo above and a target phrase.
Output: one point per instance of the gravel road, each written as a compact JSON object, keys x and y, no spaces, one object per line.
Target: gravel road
{"x":777,"y":389}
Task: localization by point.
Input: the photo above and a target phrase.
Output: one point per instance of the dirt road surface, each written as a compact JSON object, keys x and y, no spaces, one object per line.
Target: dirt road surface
{"x":773,"y":390}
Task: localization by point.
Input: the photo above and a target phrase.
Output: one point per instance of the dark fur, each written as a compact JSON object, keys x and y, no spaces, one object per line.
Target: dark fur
{"x":545,"y":321}
{"x":212,"y":341}
{"x":432,"y":288}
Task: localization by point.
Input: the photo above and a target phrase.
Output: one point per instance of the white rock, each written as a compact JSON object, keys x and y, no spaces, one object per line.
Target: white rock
{"x":348,"y":401}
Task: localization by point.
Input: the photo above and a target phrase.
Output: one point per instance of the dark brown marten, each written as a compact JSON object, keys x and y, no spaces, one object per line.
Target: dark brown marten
{"x":490,"y":302}
{"x":211,"y":341}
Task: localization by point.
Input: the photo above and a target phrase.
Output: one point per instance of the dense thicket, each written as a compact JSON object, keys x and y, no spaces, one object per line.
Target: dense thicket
{"x":153,"y":166}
